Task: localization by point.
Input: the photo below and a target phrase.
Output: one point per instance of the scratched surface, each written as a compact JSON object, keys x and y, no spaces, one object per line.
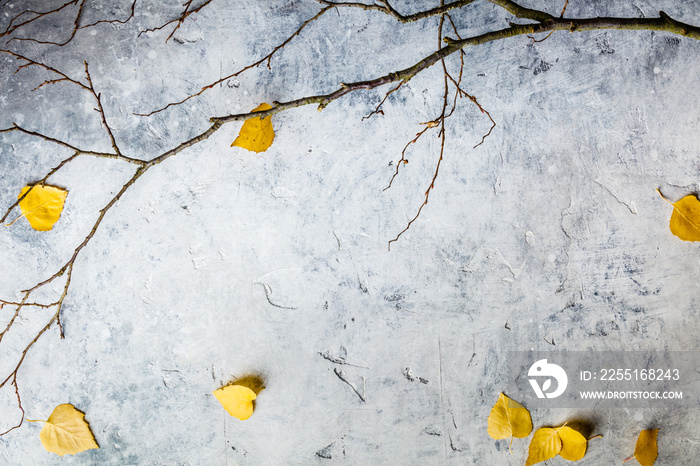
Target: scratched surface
{"x":220,"y":262}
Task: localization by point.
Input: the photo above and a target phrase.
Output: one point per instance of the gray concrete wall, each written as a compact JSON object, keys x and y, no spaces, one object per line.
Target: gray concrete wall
{"x":220,"y":262}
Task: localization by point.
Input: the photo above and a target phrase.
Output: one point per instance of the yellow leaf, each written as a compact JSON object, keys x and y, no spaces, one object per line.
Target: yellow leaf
{"x":509,"y":418}
{"x":42,"y":205}
{"x":646,"y":451}
{"x":573,"y":444}
{"x":545,"y":444}
{"x":238,"y":399}
{"x":256,"y":133}
{"x":67,"y":432}
{"x":685,"y":220}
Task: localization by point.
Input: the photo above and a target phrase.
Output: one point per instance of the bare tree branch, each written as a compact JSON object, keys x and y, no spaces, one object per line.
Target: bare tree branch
{"x":403,"y":160}
{"x":30,"y":62}
{"x":521,"y":12}
{"x":12,"y":27}
{"x":105,"y":155}
{"x":442,"y":134}
{"x":101,"y":111}
{"x":76,"y":23}
{"x":378,"y":108}
{"x":179,"y":20}
{"x":663,"y":23}
{"x":267,"y":58}
{"x":385,"y":7}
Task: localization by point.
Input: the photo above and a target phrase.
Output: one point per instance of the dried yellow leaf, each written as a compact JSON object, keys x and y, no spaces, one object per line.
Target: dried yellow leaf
{"x":573,"y":444}
{"x":646,"y":451}
{"x":41,"y":205}
{"x":545,"y":444}
{"x":685,"y":220}
{"x":256,"y":133}
{"x":238,"y":399}
{"x":66,"y":432}
{"x":509,"y":418}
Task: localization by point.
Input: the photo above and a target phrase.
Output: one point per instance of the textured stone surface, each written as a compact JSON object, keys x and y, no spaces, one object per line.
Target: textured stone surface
{"x":220,"y":262}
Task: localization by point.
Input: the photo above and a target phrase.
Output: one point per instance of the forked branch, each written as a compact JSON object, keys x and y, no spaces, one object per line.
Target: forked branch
{"x":385,"y":7}
{"x":179,"y":20}
{"x":18,"y":21}
{"x":267,"y":58}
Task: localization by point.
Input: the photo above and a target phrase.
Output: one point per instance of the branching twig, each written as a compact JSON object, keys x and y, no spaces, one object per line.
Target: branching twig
{"x":76,"y":23}
{"x":12,"y":27}
{"x":179,"y":20}
{"x":30,"y":62}
{"x":521,"y":12}
{"x":483,"y":110}
{"x":76,"y":26}
{"x":537,"y":41}
{"x":378,"y":109}
{"x":663,"y":23}
{"x":19,"y":404}
{"x":10,"y":303}
{"x":442,"y":134}
{"x":101,"y":111}
{"x":462,"y":93}
{"x":113,"y":21}
{"x":105,"y":155}
{"x":385,"y":7}
{"x":67,"y":268}
{"x":403,"y":160}
{"x":267,"y":58}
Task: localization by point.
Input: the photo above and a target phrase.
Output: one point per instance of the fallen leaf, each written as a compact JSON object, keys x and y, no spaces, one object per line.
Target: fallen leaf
{"x":42,"y":206}
{"x":545,"y":444}
{"x":66,"y":432}
{"x":685,"y":220}
{"x":646,"y":451}
{"x":573,"y":444}
{"x":549,"y":442}
{"x":509,"y":418}
{"x":238,"y":398}
{"x":256,"y":133}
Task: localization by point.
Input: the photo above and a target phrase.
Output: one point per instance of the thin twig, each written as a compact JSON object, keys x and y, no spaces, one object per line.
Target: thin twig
{"x":441,"y":121}
{"x":113,"y":21}
{"x":179,"y":20}
{"x":10,"y":303}
{"x":521,"y":12}
{"x":664,"y":23}
{"x":76,"y":26}
{"x":105,"y":155}
{"x":31,"y":62}
{"x":101,"y":111}
{"x":378,"y":109}
{"x":19,"y":404}
{"x":385,"y":7}
{"x":563,"y":10}
{"x":403,"y":160}
{"x":67,"y":268}
{"x":267,"y":58}
{"x":11,"y":27}
{"x":536,"y":41}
